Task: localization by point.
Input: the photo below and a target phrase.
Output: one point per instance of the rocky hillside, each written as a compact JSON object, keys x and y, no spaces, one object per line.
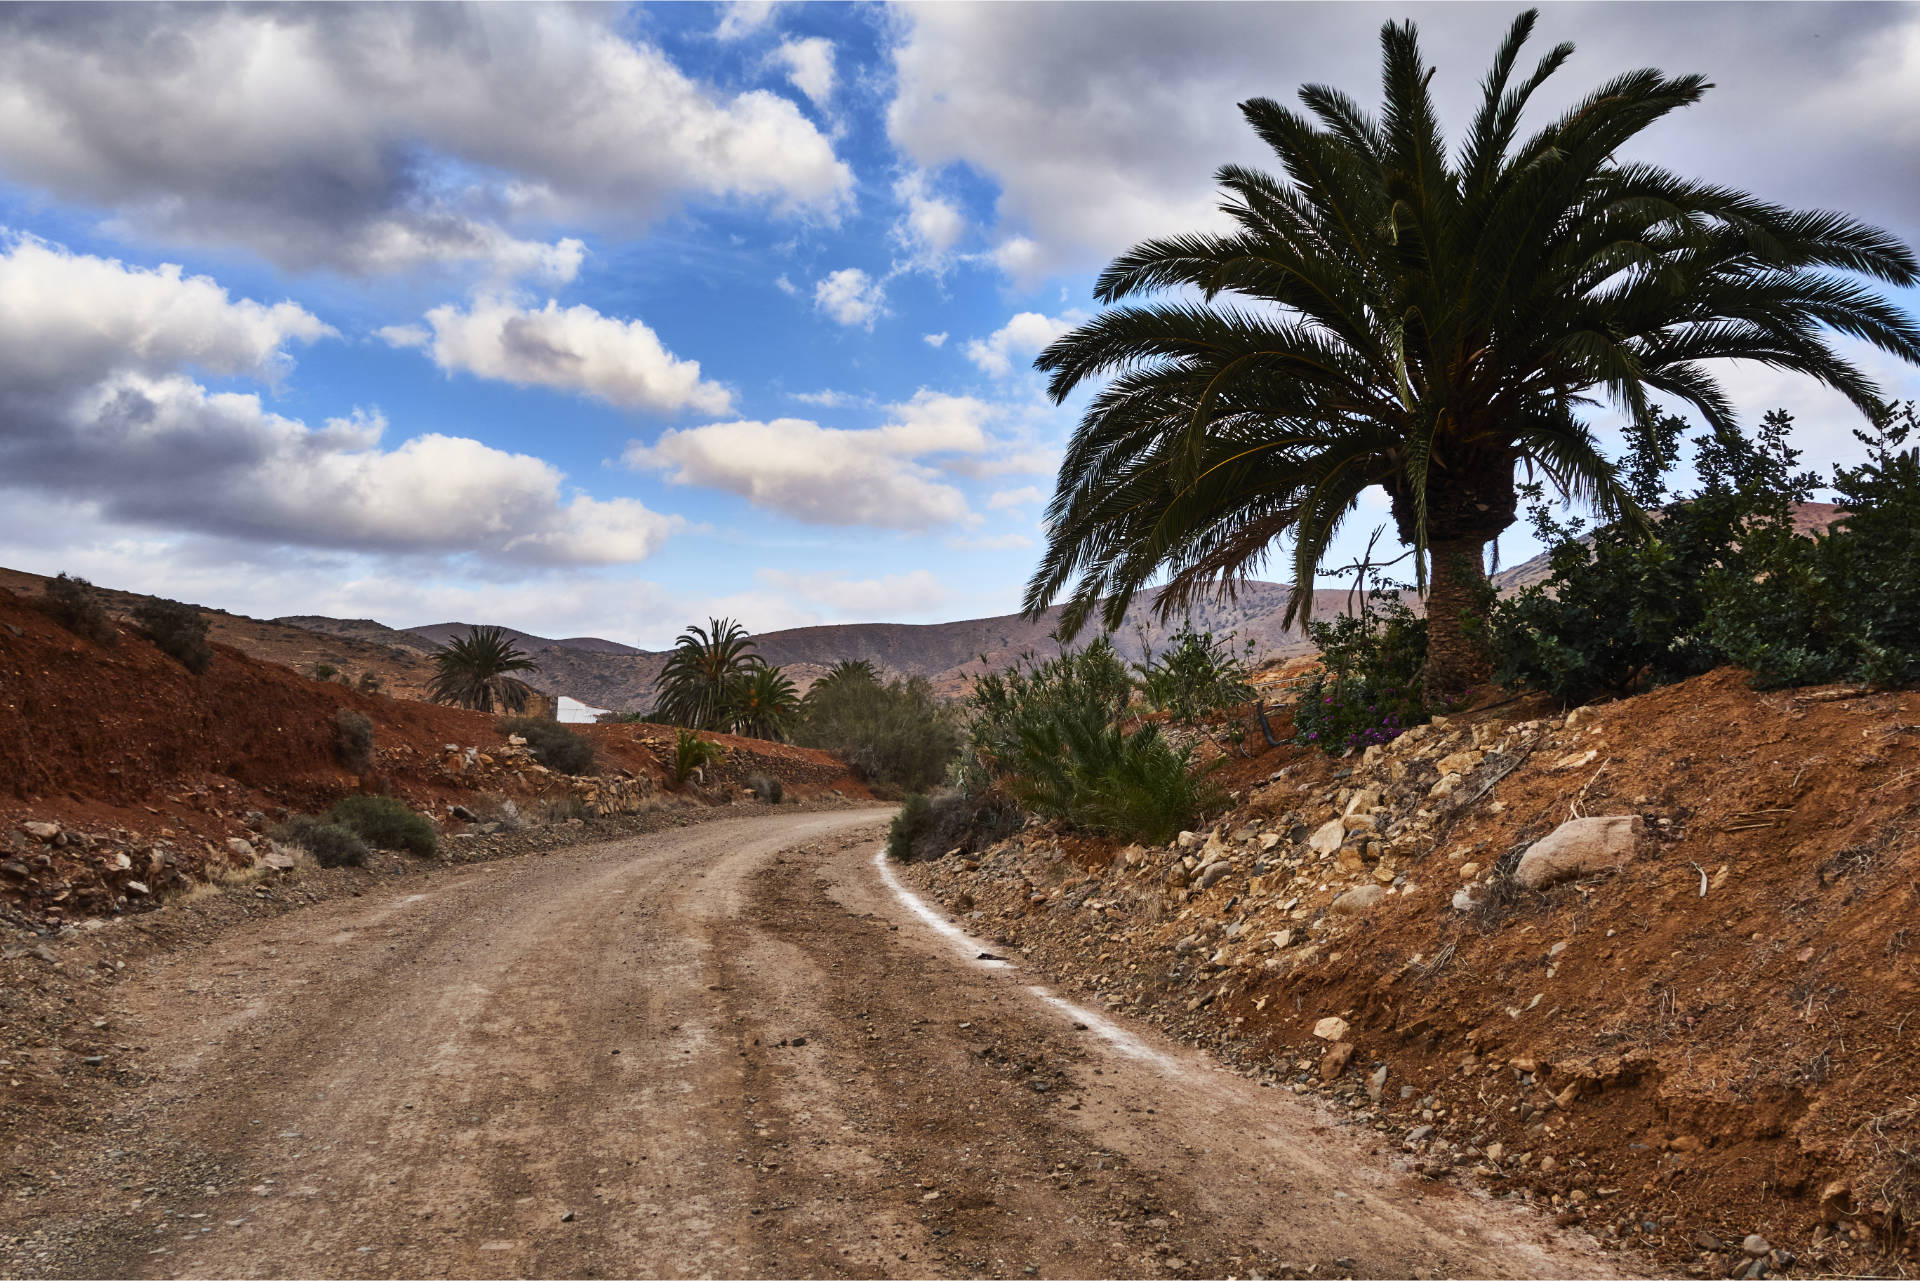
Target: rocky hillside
{"x":1652,"y":964}
{"x":124,"y":778}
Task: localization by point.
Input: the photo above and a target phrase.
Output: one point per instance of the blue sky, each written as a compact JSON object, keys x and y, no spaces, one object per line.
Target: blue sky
{"x":600,"y":320}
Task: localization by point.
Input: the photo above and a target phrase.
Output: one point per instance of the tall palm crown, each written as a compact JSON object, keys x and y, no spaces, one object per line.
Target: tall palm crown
{"x":763,"y":704}
{"x":698,"y":680}
{"x":476,"y":671}
{"x":1384,"y":315}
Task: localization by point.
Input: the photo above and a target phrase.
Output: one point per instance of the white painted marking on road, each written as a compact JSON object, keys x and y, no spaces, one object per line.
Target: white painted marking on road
{"x":966,"y":943}
{"x":1118,"y":1037}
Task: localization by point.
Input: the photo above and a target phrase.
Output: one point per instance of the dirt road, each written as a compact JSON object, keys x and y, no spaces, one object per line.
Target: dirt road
{"x":732,"y":1049}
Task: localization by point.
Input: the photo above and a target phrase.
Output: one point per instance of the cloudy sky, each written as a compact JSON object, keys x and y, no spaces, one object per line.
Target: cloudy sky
{"x":601,"y":319}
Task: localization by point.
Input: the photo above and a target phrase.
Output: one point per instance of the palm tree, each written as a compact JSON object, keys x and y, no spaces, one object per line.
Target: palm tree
{"x":845,"y":674}
{"x":764,"y":704}
{"x":473,"y":671}
{"x":698,"y":679}
{"x":1388,"y":315}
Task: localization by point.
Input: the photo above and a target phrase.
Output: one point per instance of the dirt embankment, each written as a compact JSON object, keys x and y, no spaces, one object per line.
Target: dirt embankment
{"x":138,"y":775}
{"x":1712,"y":1042}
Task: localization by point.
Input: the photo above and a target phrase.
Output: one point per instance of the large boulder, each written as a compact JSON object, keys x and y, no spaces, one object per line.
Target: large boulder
{"x":1357,"y":900}
{"x":1581,"y":847}
{"x":1327,"y":838}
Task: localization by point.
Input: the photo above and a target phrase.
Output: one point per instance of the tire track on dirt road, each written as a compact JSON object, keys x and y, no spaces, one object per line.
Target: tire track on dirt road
{"x":722,"y":1050}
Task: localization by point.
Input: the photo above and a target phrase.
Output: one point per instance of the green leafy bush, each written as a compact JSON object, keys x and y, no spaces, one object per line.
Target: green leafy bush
{"x":916,"y":812}
{"x":386,"y":823}
{"x":1625,"y":609}
{"x":369,"y":683}
{"x":895,"y":733}
{"x":690,"y":753}
{"x":552,"y":744}
{"x":178,"y":630}
{"x":1843,"y":605}
{"x":766,"y":788}
{"x":1051,"y":735}
{"x":72,"y":603}
{"x":330,"y":844}
{"x":353,"y":738}
{"x":1196,"y":674}
{"x":929,"y":826}
{"x":1368,"y":689}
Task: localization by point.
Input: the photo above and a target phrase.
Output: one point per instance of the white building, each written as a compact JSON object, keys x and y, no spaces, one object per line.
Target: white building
{"x":571,"y":711}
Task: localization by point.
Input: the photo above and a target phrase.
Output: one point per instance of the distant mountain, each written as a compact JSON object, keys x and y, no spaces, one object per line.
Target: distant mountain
{"x":949,"y":655}
{"x":441,"y":633}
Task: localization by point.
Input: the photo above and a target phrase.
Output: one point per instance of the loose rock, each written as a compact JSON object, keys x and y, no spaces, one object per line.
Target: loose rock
{"x":1580,"y":847}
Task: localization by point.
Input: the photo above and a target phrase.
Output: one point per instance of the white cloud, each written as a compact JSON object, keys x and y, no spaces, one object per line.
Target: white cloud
{"x":742,"y":18}
{"x":1021,"y":497}
{"x":404,"y":335}
{"x":1140,"y":105}
{"x":98,"y":408}
{"x":931,"y":225}
{"x":833,"y":476}
{"x":1022,"y":258}
{"x":622,"y":362}
{"x":64,"y":316}
{"x":383,"y":138}
{"x":888,"y":596}
{"x":1020,"y":338}
{"x":809,"y":66}
{"x":850,"y":296}
{"x":786,"y":286}
{"x":827,"y":398}
{"x":935,"y":340}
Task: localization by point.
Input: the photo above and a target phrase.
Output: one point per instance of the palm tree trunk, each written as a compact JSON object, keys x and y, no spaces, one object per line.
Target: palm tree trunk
{"x":1457,"y":594}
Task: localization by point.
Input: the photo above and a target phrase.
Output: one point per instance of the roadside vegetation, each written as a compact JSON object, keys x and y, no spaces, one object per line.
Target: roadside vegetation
{"x":1721,"y":576}
{"x":386,"y":823}
{"x":1060,"y":739}
{"x":894,"y":735}
{"x":552,"y":744}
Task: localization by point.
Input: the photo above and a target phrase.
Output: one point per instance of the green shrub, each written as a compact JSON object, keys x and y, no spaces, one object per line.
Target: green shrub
{"x":907,"y":826}
{"x":72,"y":603}
{"x":1195,"y":675}
{"x":330,"y":844}
{"x":353,"y":738}
{"x":690,"y":753}
{"x":369,"y":683}
{"x":929,"y":826}
{"x":1052,"y":736}
{"x":1368,"y":690}
{"x":1625,"y":609}
{"x":552,"y":744}
{"x":386,"y":823}
{"x":895,"y":734}
{"x":766,"y":788}
{"x":178,"y":630}
{"x":325,"y":671}
{"x":1843,"y":605}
